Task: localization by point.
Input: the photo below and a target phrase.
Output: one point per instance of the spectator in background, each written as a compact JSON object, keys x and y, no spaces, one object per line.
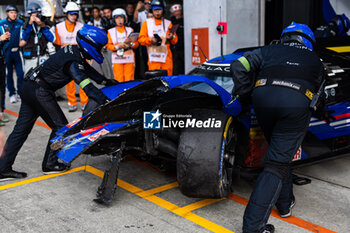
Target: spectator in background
{"x":179,"y":47}
{"x":87,"y":15}
{"x":130,"y":17}
{"x":36,"y":35}
{"x":109,"y":21}
{"x":102,"y":14}
{"x":4,"y":36}
{"x":11,"y":47}
{"x":156,"y":34}
{"x":97,"y":21}
{"x":139,"y":18}
{"x":66,"y":33}
{"x":123,"y":58}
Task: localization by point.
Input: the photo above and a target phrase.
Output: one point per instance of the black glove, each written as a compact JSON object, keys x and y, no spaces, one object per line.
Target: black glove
{"x":110,"y":82}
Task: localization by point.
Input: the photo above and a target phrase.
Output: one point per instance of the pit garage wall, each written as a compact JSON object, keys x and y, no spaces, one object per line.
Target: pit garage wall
{"x":242,"y":17}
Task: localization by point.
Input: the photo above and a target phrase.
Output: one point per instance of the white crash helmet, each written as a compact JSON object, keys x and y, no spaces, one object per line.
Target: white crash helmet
{"x":175,"y":7}
{"x":71,"y":6}
{"x":119,"y":12}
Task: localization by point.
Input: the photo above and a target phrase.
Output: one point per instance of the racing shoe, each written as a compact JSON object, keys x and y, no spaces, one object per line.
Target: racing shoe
{"x":83,"y":107}
{"x":10,"y":175}
{"x":13,"y":99}
{"x":72,"y":108}
{"x":287,"y":213}
{"x":269,"y":228}
{"x":57,"y":168}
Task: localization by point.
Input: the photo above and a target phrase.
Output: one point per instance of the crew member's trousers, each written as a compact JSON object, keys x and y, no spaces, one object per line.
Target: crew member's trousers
{"x":284,"y":116}
{"x":36,"y":101}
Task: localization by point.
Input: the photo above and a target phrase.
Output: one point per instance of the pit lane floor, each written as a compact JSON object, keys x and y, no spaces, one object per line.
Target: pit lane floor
{"x":148,"y":200}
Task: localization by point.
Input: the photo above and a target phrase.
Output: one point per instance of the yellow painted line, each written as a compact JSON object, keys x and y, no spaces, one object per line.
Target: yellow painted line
{"x":40,"y":178}
{"x":184,"y":210}
{"x":164,"y":203}
{"x":158,"y":189}
{"x":340,"y":49}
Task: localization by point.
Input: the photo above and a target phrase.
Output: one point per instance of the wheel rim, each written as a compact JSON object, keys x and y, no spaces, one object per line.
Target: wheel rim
{"x":229,"y":144}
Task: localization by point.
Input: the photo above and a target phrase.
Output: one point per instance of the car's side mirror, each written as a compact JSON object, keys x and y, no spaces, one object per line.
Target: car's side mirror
{"x":155,"y":73}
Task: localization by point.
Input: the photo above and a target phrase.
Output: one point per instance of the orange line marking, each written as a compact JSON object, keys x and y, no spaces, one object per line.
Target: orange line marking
{"x":37,"y":122}
{"x":292,"y":220}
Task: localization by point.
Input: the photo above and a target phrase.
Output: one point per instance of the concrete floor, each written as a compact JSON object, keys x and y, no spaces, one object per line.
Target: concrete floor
{"x":64,"y":203}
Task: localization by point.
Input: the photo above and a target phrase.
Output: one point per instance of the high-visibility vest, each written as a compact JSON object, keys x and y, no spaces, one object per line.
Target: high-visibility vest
{"x":117,"y":37}
{"x":68,"y":37}
{"x":157,"y":53}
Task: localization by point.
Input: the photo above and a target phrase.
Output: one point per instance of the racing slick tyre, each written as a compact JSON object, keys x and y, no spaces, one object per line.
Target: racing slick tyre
{"x":205,"y":156}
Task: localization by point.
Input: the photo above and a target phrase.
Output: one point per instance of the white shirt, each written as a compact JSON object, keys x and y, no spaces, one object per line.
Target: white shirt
{"x":142,"y":16}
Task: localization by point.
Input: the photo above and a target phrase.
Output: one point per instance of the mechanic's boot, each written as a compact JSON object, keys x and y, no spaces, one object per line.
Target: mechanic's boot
{"x":288,"y":212}
{"x":72,"y":108}
{"x":269,"y":228}
{"x":10,"y":175}
{"x":56,"y":168}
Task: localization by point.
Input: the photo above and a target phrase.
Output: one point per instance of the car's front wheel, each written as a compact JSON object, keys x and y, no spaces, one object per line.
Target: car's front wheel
{"x":206,"y":157}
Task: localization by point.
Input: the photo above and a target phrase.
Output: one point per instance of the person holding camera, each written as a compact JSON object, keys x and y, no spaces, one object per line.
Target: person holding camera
{"x":4,"y":36}
{"x":36,"y":34}
{"x":11,"y":47}
{"x":157,"y":34}
{"x":120,"y":43}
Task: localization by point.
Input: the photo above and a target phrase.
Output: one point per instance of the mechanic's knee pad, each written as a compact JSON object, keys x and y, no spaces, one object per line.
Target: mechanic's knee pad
{"x":276,"y":168}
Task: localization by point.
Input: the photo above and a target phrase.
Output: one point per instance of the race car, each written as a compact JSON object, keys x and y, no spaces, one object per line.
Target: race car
{"x":194,"y":122}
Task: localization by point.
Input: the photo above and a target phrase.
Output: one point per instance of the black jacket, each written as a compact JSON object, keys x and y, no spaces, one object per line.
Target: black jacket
{"x":68,"y":64}
{"x":291,"y":62}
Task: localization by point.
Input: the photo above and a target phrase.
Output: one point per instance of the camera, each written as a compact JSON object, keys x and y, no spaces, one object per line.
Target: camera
{"x":41,"y":17}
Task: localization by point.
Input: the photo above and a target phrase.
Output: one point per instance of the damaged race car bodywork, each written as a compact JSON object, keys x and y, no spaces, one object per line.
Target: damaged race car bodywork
{"x":205,"y":157}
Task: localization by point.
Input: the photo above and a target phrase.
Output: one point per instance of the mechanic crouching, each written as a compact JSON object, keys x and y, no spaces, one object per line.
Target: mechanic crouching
{"x":288,"y":75}
{"x":38,"y":95}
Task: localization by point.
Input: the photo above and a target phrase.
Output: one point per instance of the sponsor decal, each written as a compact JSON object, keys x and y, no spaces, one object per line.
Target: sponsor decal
{"x":98,"y":134}
{"x":286,"y":84}
{"x":74,"y":122}
{"x":225,"y":68}
{"x":297,"y":155}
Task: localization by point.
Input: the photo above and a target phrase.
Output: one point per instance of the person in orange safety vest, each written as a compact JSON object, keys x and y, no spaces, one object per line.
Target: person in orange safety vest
{"x":156,"y":33}
{"x":66,"y":33}
{"x":121,"y":44}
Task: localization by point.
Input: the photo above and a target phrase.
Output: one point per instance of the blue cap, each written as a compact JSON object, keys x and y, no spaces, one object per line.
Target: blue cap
{"x":157,"y":8}
{"x":73,"y":12}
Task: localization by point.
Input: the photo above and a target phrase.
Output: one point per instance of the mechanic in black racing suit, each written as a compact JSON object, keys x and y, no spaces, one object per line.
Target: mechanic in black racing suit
{"x":38,"y":96}
{"x":287,"y":76}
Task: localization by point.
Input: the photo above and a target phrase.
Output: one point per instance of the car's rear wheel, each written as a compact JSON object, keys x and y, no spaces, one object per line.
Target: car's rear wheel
{"x":206,"y":157}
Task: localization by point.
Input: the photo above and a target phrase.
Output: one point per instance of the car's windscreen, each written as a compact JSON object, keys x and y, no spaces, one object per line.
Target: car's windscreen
{"x":223,"y":80}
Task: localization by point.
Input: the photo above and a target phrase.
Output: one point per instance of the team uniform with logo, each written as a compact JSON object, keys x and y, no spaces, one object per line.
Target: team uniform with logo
{"x":123,"y":66}
{"x":159,"y":57}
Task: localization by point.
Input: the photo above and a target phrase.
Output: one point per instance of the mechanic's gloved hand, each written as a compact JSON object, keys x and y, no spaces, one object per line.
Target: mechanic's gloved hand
{"x":111,"y":82}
